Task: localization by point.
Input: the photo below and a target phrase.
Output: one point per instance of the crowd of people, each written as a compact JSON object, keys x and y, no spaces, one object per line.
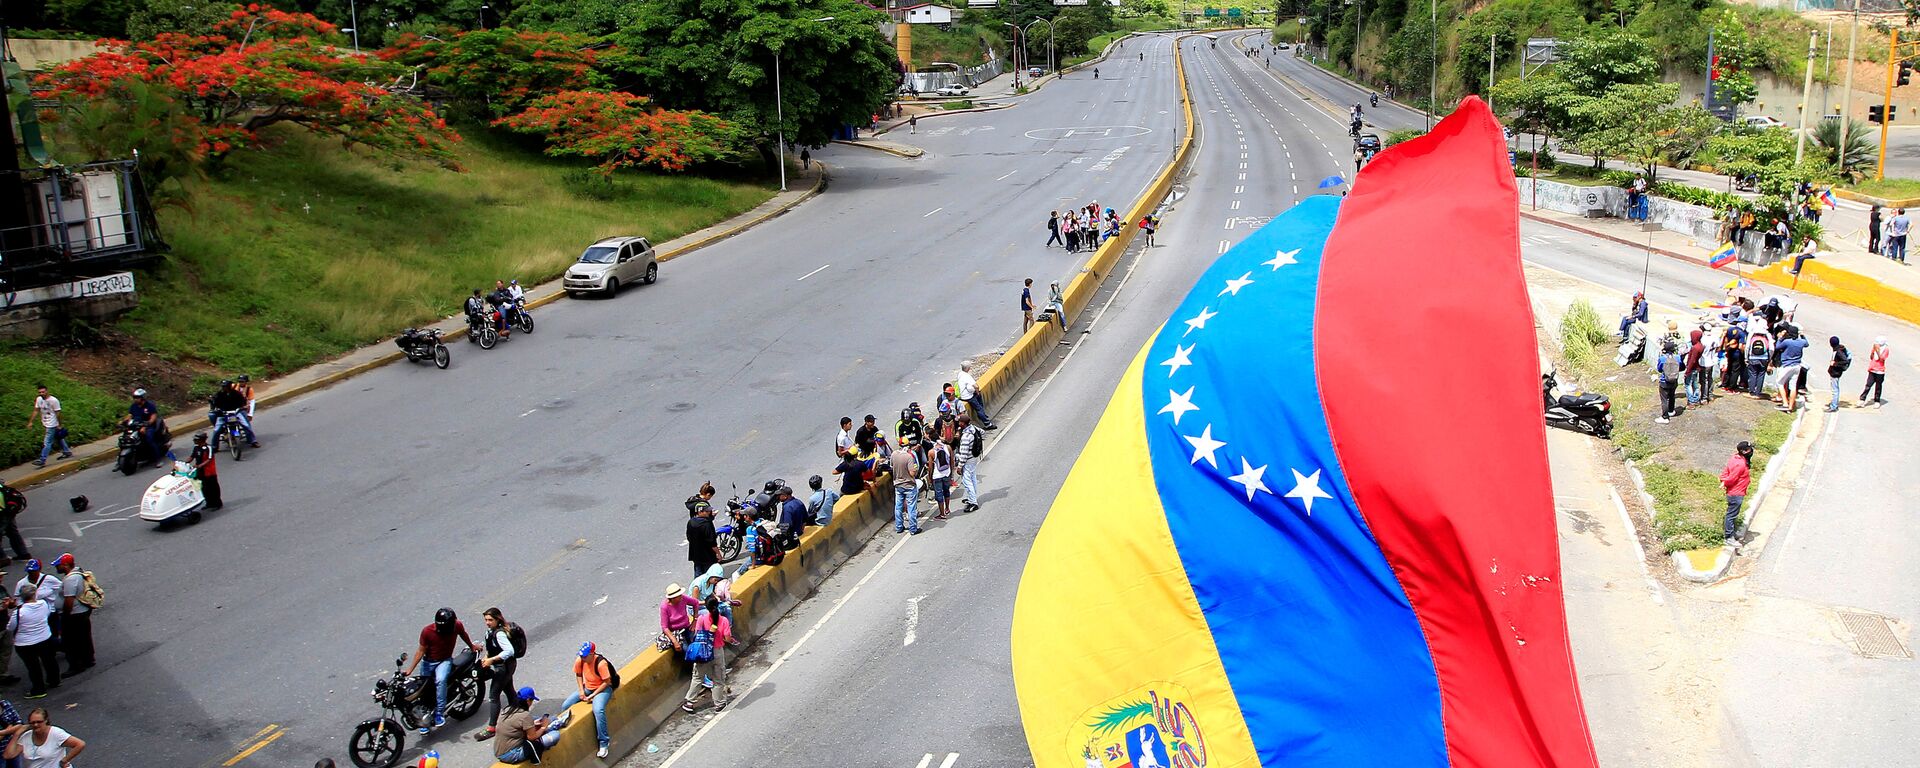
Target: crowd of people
{"x":1084,"y":229}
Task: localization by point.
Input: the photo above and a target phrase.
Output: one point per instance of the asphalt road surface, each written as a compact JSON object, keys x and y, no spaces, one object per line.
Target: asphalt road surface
{"x":903,"y":657}
{"x":546,"y":476}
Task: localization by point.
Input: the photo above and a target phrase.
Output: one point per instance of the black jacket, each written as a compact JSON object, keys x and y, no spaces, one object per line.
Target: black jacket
{"x":700,"y":540}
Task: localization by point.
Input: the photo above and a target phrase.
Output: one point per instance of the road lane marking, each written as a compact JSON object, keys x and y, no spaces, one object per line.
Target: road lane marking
{"x":841,"y":603}
{"x":1296,"y":189}
{"x":948,"y":763}
{"x":1239,"y":189}
{"x":942,"y":208}
{"x":913,"y":620}
{"x":925,"y":761}
{"x":1224,"y":245}
{"x":1653,"y":587}
{"x":277,"y":732}
{"x":1235,"y":206}
{"x":1243,"y":177}
{"x":817,"y":271}
{"x":530,"y":410}
{"x":1004,"y":176}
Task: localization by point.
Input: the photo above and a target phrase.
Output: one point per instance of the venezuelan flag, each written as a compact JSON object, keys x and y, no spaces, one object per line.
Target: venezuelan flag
{"x":1722,"y":256}
{"x":1312,"y":528}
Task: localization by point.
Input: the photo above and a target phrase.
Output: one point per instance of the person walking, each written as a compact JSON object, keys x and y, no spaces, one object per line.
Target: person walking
{"x":913,"y":124}
{"x":1666,"y":369}
{"x":30,"y":621}
{"x":1149,"y":225}
{"x":1873,"y":229}
{"x":207,"y":470}
{"x":595,"y":679}
{"x":38,"y":743}
{"x":968,"y":390}
{"x":905,"y":467}
{"x":712,"y":633}
{"x":1734,"y":479}
{"x":703,"y":542}
{"x":806,"y":158}
{"x":1026,"y":305}
{"x":12,"y":503}
{"x":1876,"y":373}
{"x":1053,"y":230}
{"x":1841,"y":361}
{"x":46,"y":408}
{"x":502,"y":655}
{"x":1897,"y":235}
{"x":1792,"y":351}
{"x":77,"y":591}
{"x":967,"y":457}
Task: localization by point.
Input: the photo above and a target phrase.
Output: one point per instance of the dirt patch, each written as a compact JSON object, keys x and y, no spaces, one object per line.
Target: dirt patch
{"x":115,"y":362}
{"x":1701,"y":436}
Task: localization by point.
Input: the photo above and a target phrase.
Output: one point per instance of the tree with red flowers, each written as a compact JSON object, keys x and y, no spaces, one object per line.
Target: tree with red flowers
{"x":621,"y":130}
{"x":258,"y":68}
{"x":495,"y":72}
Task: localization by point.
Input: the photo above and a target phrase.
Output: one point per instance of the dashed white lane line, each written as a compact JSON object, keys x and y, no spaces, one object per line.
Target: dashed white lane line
{"x":811,"y":274}
{"x":1225,"y":244}
{"x":942,"y":208}
{"x":1003,"y":177}
{"x":1239,"y":189}
{"x":1235,"y":206}
{"x":948,"y":763}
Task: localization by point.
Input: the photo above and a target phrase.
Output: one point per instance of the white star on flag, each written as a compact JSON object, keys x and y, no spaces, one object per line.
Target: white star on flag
{"x":1234,"y":285}
{"x":1179,"y":404}
{"x":1306,"y":488}
{"x":1199,"y":321}
{"x":1281,"y":259}
{"x":1204,"y":446}
{"x":1249,"y":478}
{"x":1179,"y":359}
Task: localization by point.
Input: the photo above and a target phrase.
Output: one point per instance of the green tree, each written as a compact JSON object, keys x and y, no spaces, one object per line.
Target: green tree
{"x":193,"y":17}
{"x":1738,"y":55}
{"x":1604,"y":57}
{"x":1539,"y":104}
{"x":1640,"y":124}
{"x":1859,"y":150}
{"x":717,"y":56}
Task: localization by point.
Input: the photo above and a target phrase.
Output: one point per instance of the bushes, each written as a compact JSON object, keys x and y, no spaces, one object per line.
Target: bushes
{"x":1718,"y":201}
{"x":1395,"y":137}
{"x":1581,"y":333}
{"x":1688,"y":505}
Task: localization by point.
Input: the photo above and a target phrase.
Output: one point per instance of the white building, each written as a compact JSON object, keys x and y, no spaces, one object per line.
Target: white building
{"x":923,"y":13}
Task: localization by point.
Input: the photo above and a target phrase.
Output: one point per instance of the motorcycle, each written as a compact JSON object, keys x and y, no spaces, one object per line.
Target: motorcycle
{"x":743,"y":514}
{"x":173,"y":498}
{"x":134,"y":451}
{"x":1634,"y":348}
{"x":522,"y":318}
{"x":1583,"y":412}
{"x":480,"y":330}
{"x":230,"y":430}
{"x":423,"y":344}
{"x":1373,"y":100}
{"x":406,"y":703}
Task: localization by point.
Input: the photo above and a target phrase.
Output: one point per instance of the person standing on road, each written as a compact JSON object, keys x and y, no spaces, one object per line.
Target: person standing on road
{"x":1876,"y":374}
{"x":1053,"y":230}
{"x":968,"y":390}
{"x":703,"y":542}
{"x":1873,"y":229}
{"x":47,"y":408}
{"x":436,"y":652}
{"x":1759,"y":353}
{"x":1072,"y":232}
{"x":1694,"y":371}
{"x":1841,"y":361}
{"x":29,"y":620}
{"x":712,"y":632}
{"x":1791,"y":350}
{"x":906,"y":490}
{"x":1734,"y":363}
{"x":863,"y":436}
{"x":503,"y":657}
{"x":939,"y":475}
{"x":44,"y":585}
{"x":1666,"y":369}
{"x":206,"y":468}
{"x":12,"y":503}
{"x":967,"y":456}
{"x":596,"y":680}
{"x":1026,"y":305}
{"x":1149,"y":225}
{"x":843,"y":443}
{"x":39,"y":744}
{"x":1734,"y":479}
{"x":676,"y":615}
{"x":1897,"y":235}
{"x":76,"y":616}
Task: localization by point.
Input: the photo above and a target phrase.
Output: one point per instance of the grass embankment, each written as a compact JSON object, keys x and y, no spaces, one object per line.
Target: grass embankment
{"x":291,"y":256}
{"x":1888,"y":189}
{"x":1680,"y":461}
{"x":963,"y":44}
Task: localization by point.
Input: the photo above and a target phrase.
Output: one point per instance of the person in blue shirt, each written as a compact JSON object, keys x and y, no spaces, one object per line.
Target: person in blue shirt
{"x":1636,"y":315}
{"x":793,"y":518}
{"x":145,"y":414}
{"x":1790,"y":351}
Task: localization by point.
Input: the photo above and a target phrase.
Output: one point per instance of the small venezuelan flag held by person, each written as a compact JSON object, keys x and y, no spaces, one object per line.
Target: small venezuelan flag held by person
{"x":1722,"y":256}
{"x":1312,"y":529}
{"x":1826,"y":196}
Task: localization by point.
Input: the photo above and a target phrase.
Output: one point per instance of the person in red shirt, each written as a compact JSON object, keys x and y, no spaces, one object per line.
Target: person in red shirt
{"x":436,"y":649}
{"x":1735,"y":478}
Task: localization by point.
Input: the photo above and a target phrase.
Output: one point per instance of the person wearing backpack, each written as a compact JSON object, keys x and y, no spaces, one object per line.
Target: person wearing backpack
{"x":1841,"y":361}
{"x":1759,"y":352}
{"x":506,"y":645}
{"x":939,"y":476}
{"x":597,"y":679}
{"x":1666,"y":369}
{"x":12,"y":503}
{"x":77,"y":590}
{"x":967,"y":458}
{"x":712,"y":631}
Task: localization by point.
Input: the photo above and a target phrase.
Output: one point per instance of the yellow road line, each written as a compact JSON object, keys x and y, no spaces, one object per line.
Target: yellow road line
{"x":277,"y":732}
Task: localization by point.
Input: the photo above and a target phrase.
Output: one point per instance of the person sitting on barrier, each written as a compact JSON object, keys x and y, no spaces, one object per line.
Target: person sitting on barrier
{"x":522,"y":737}
{"x":820,"y":502}
{"x":714,"y":585}
{"x":1057,"y":305}
{"x":597,"y":679}
{"x":676,"y":615}
{"x":1637,"y":314}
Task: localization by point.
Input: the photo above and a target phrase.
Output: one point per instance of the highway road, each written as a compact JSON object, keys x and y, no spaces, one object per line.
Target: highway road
{"x":546,"y":476}
{"x":902,"y":659}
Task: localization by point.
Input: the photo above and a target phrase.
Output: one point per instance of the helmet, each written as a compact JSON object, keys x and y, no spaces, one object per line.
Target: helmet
{"x":444,"y":618}
{"x":199,"y":437}
{"x":139,"y":393}
{"x":245,"y":378}
{"x":224,"y":383}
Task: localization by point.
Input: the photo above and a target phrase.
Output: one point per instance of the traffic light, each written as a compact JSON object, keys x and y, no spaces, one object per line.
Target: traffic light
{"x":1876,"y":113}
{"x":1906,"y":72}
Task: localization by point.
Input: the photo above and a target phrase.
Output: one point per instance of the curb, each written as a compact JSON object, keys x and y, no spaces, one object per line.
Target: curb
{"x":942,"y":113}
{"x":1689,"y":562}
{"x":1612,"y":238}
{"x":906,"y":152}
{"x":1848,"y":194}
{"x":266,"y":399}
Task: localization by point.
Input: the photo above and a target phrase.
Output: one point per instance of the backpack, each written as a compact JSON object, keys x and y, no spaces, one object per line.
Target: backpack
{"x":766,"y":548}
{"x":1669,"y":367}
{"x":518,"y":637}
{"x":12,"y":499}
{"x":979,"y":443}
{"x":1758,"y":349}
{"x":92,"y":595}
{"x":613,"y":672}
{"x":700,"y":651}
{"x":1841,"y":361}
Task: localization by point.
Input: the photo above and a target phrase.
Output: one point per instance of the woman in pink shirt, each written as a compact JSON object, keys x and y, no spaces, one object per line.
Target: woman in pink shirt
{"x":1876,"y":370}
{"x":676,"y":616}
{"x":1735,"y":478}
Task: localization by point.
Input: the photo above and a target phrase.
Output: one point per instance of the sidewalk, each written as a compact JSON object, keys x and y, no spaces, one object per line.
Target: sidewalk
{"x":803,"y":185}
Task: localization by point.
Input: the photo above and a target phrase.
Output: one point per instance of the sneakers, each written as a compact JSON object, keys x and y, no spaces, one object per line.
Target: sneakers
{"x":484,"y":734}
{"x":39,"y":463}
{"x":1661,"y":420}
{"x":602,"y":752}
{"x":685,"y":706}
{"x":439,"y":719}
{"x":42,"y":695}
{"x":424,"y":730}
{"x":66,"y":454}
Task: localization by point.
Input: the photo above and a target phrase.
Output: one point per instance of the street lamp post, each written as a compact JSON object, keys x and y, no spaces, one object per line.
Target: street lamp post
{"x":1049,"y":23}
{"x":483,"y":15}
{"x":1433,"y":59}
{"x":1016,"y":52}
{"x":780,"y":112}
{"x":353,"y":13}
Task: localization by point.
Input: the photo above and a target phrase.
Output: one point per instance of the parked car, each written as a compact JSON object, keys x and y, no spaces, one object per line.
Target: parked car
{"x":611,"y":263}
{"x":1283,"y":46}
{"x":1035,"y":72}
{"x":953,"y":90}
{"x":1762,"y":121}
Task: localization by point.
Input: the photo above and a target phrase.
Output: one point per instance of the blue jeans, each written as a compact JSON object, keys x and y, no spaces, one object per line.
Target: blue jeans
{"x":219,"y":420}
{"x":438,"y":672}
{"x":46,"y":446}
{"x":979,"y":407}
{"x":970,"y":480}
{"x":1731,"y":524}
{"x":1757,"y":379}
{"x":906,"y":497}
{"x":599,"y":712}
{"x":1834,"y":404}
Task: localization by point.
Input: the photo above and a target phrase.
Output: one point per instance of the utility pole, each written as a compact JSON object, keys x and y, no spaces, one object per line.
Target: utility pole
{"x":1886,"y":104}
{"x":1433,"y":59}
{"x":1490,"y":55}
{"x":1846,"y":92}
{"x":1806,"y":95}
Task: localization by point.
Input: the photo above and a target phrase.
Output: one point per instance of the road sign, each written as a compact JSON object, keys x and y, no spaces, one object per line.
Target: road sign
{"x":1211,"y":12}
{"x":1233,"y":13}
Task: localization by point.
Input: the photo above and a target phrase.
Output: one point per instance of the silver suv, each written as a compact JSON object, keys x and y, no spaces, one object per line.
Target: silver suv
{"x":611,"y":263}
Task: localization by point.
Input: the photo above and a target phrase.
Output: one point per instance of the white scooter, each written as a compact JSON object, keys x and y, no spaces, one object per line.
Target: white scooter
{"x":172,"y":497}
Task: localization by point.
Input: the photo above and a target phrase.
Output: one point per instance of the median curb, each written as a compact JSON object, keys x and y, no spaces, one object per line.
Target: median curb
{"x":653,"y":682}
{"x":1615,"y":239}
{"x":897,"y":150}
{"x":327,"y":373}
{"x":1706,"y":566}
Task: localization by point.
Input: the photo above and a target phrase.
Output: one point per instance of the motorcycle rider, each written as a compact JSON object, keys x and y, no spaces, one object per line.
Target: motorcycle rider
{"x":503,"y":307}
{"x":146,"y":415}
{"x":476,"y":307}
{"x":436,"y":649}
{"x":206,"y":470}
{"x":229,"y":402}
{"x":1373,"y":100}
